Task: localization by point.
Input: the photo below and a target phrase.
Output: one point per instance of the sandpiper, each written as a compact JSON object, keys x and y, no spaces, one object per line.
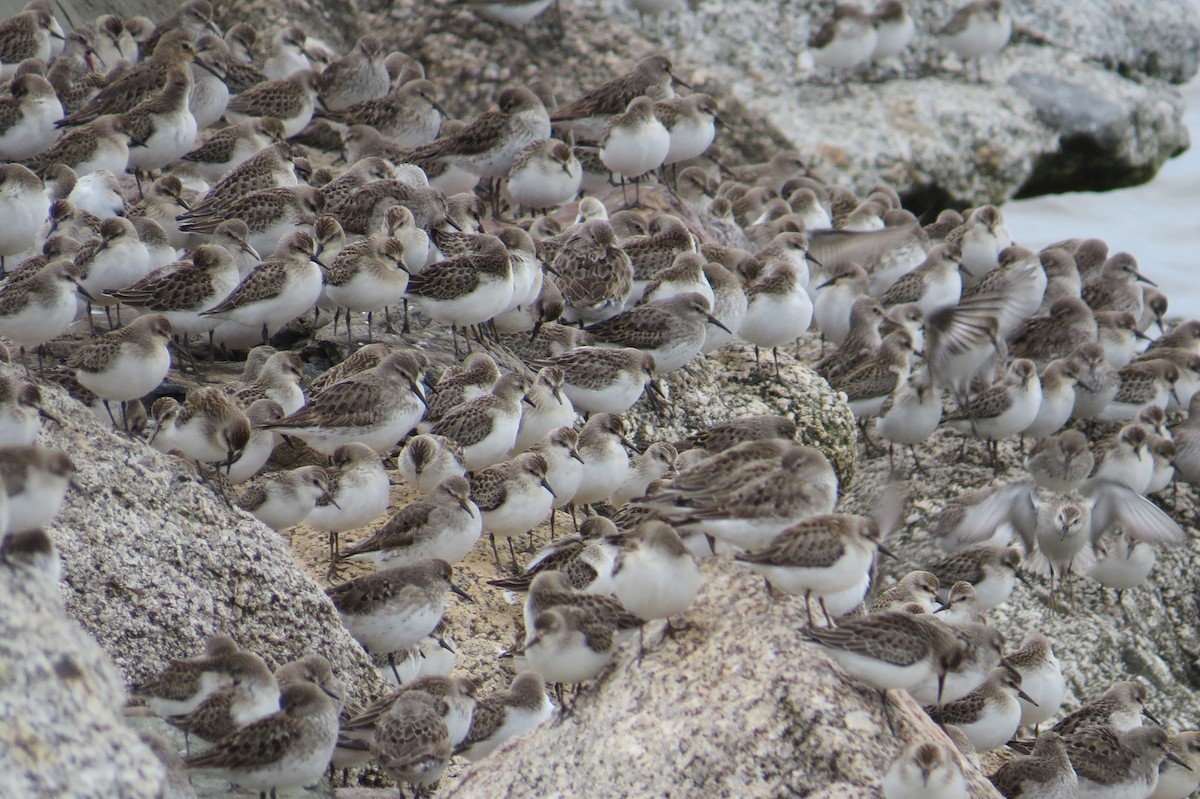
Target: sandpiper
{"x":991,"y":570}
{"x":654,"y":575}
{"x":355,"y":77}
{"x":27,"y":118}
{"x":232,"y":146}
{"x":1041,"y":678}
{"x":544,"y":175}
{"x":409,"y":116}
{"x":670,"y":330}
{"x":184,"y":684}
{"x":634,"y":142}
{"x":1111,"y":762}
{"x":486,"y":427}
{"x":978,"y":29}
{"x":1115,"y":287}
{"x":1061,"y":462}
{"x":793,"y":486}
{"x":505,"y":715}
{"x":359,"y":492}
{"x":278,"y":379}
{"x":290,"y":100}
{"x":691,"y":122}
{"x":488,"y":145}
{"x":425,"y":461}
{"x":823,"y":555}
{"x":395,"y":608}
{"x":376,"y":407}
{"x":367,"y":276}
{"x":457,"y":695}
{"x":25,"y":202}
{"x":261,"y":444}
{"x":283,"y":499}
{"x":869,"y":386}
{"x":1178,"y":780}
{"x":289,"y":748}
{"x":548,"y":408}
{"x":1005,"y":408}
{"x":1122,"y":707}
{"x":28,"y":34}
{"x":779,"y":310}
{"x":251,"y":695}
{"x":891,"y":650}
{"x":276,"y":291}
{"x":910,"y":415}
{"x":1058,"y":381}
{"x":990,"y":714}
{"x":1045,"y":773}
{"x":846,"y":41}
{"x":920,"y":587}
{"x":412,"y":740}
{"x":513,"y":497}
{"x":585,"y":559}
{"x":467,"y":290}
{"x":602,"y":380}
{"x":445,"y":524}
{"x":605,"y":460}
{"x":40,"y":308}
{"x":924,"y":770}
{"x":127,"y":363}
{"x":269,"y":214}
{"x":21,"y":411}
{"x":286,"y":54}
{"x":36,"y":480}
{"x":115,"y":260}
{"x":162,"y":128}
{"x":651,"y":77}
{"x":593,"y":273}
{"x":207,"y":428}
{"x":894,"y":29}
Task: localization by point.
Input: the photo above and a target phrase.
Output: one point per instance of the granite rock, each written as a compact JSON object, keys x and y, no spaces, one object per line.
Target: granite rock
{"x":61,"y":698}
{"x":154,"y":560}
{"x":735,"y":705}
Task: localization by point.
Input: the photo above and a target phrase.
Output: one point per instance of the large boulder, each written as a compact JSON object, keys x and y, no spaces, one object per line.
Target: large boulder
{"x":736,"y":705}
{"x":1082,"y":99}
{"x":154,"y":559}
{"x":61,"y":698}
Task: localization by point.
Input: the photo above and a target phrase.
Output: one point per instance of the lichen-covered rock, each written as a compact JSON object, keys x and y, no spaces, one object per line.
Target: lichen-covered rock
{"x":735,"y":705}
{"x":61,"y":699}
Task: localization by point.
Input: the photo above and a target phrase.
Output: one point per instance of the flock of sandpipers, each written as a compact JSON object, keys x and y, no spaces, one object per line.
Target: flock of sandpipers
{"x":169,"y":175}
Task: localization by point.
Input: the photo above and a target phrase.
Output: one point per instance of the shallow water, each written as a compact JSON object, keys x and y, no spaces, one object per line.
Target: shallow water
{"x":1158,"y":222}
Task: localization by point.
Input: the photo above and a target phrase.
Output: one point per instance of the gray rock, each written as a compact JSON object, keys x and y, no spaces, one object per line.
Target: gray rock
{"x":61,"y":699}
{"x":760,"y":713}
{"x":153,"y":561}
{"x":914,"y":123}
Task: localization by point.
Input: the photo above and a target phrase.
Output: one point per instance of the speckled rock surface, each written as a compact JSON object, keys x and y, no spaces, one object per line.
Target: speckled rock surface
{"x":61,"y":699}
{"x":154,"y":560}
{"x":737,"y":705}
{"x":1081,"y":100}
{"x":914,"y":122}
